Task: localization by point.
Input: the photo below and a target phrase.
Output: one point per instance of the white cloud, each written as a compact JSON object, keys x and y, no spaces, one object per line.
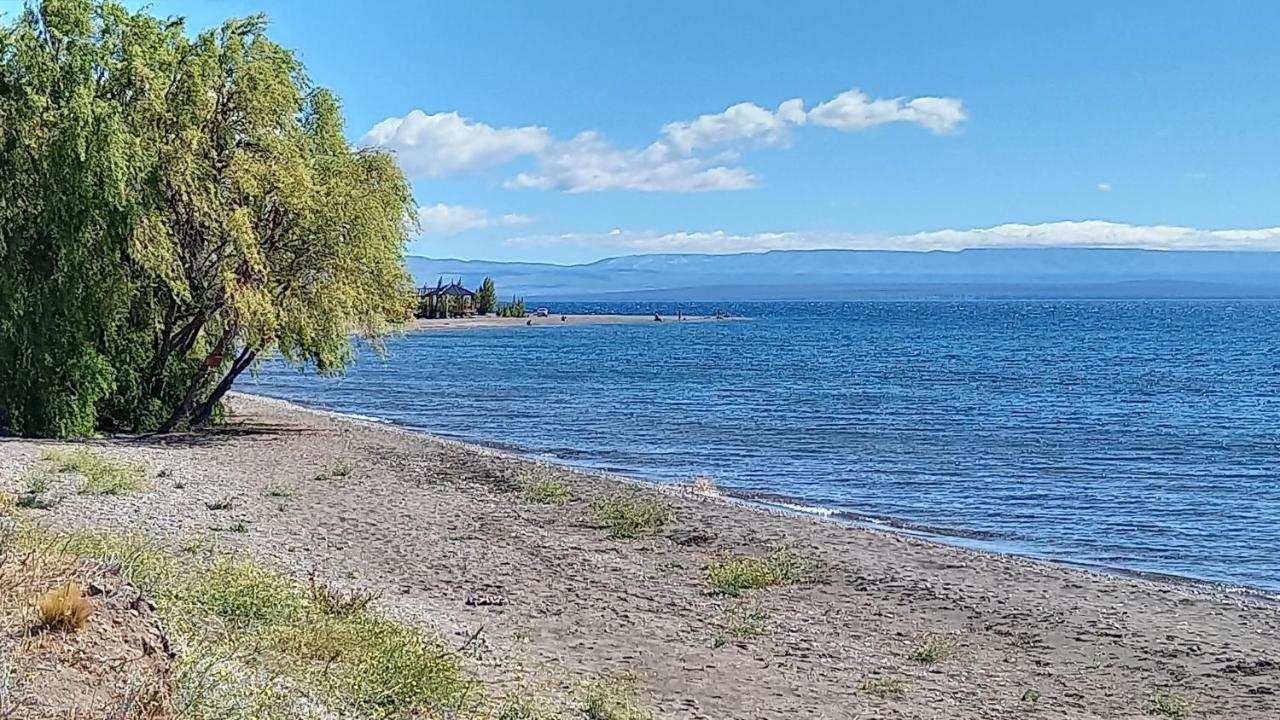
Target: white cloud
{"x":1104,"y":187}
{"x":442,"y":219}
{"x":588,"y":163}
{"x":1088,"y":233}
{"x":743,"y":121}
{"x":446,"y":143}
{"x":853,"y":110}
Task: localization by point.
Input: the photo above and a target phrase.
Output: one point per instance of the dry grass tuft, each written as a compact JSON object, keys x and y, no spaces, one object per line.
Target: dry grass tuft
{"x":884,"y":688}
{"x":734,"y":574}
{"x":336,"y":469}
{"x":936,"y":648}
{"x":65,"y":608}
{"x":614,"y":699}
{"x":332,"y":600}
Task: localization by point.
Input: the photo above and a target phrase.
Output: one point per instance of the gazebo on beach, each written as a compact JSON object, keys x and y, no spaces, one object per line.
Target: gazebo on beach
{"x":443,"y":301}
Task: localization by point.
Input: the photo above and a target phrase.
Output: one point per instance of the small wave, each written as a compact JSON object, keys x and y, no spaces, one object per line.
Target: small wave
{"x":806,"y":509}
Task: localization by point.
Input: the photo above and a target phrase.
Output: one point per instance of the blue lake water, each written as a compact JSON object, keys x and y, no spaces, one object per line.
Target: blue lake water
{"x":1134,"y":435}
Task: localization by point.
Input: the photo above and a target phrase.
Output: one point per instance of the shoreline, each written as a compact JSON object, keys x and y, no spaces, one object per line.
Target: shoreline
{"x":797,"y":507}
{"x":879,"y":624}
{"x":490,"y":322}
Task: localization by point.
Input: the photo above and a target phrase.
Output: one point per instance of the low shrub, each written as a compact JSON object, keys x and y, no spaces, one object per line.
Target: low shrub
{"x":98,"y":475}
{"x":734,"y":574}
{"x":630,"y":514}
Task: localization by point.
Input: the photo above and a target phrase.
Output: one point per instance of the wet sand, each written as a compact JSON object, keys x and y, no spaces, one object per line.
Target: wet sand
{"x":430,"y":523}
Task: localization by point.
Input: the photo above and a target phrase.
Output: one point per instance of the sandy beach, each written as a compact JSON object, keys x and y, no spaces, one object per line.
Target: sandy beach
{"x":881,"y":625}
{"x":553,"y":320}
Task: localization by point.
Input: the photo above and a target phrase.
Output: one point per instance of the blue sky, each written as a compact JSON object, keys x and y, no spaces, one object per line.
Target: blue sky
{"x":1029,"y":117}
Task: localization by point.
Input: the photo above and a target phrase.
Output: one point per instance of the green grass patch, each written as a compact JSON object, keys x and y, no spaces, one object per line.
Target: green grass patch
{"x":542,"y":488}
{"x":733,"y":575}
{"x":936,"y":648}
{"x":614,"y":699}
{"x":741,"y":622}
{"x":630,"y":514}
{"x":254,"y":643}
{"x":884,"y":688}
{"x":1166,"y":704}
{"x":98,"y":475}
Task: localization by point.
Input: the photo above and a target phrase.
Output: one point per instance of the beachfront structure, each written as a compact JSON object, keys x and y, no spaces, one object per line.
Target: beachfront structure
{"x":444,"y":301}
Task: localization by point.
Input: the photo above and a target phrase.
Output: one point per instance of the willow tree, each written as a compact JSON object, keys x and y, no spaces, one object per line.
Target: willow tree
{"x":218,"y":214}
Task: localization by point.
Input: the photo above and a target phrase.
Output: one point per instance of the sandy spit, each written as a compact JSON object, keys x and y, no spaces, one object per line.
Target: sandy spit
{"x":554,"y":320}
{"x":430,"y":523}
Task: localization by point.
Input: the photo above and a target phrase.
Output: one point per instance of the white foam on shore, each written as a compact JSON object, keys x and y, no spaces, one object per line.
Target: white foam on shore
{"x":806,"y":509}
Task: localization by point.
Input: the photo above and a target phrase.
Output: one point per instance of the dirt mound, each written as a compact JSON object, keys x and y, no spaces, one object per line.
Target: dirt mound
{"x":117,"y":664}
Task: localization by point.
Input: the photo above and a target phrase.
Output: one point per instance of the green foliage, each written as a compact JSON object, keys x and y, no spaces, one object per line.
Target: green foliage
{"x":254,"y":643}
{"x":486,"y":297}
{"x":1166,"y":704}
{"x":629,"y":514}
{"x":734,"y":574}
{"x":614,"y":700}
{"x":543,"y":488}
{"x":936,"y":648}
{"x":176,"y":206}
{"x":741,"y":622}
{"x":98,"y":475}
{"x":514,"y":309}
{"x":36,"y":494}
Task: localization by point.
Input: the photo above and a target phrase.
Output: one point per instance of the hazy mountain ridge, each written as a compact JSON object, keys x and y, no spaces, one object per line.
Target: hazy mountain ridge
{"x":850,"y":274}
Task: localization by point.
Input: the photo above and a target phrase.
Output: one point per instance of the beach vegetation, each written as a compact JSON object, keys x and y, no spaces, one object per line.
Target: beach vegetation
{"x":732,"y":575}
{"x":630,"y":514}
{"x":336,"y":469}
{"x":1166,"y":704}
{"x":543,"y":488}
{"x":741,"y":622}
{"x":487,"y":297}
{"x":513,"y":309}
{"x":37,"y":493}
{"x":614,"y":699}
{"x":225,"y":502}
{"x":936,"y":648}
{"x":98,"y":475}
{"x":251,"y":642}
{"x":179,"y":205}
{"x":884,"y":688}
{"x":64,"y":608}
{"x":281,"y":490}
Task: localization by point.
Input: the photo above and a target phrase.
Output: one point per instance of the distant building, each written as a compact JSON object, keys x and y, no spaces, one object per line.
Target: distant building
{"x":444,"y":301}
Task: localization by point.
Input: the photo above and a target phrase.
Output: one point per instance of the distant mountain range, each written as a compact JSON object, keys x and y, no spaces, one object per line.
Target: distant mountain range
{"x":855,"y":274}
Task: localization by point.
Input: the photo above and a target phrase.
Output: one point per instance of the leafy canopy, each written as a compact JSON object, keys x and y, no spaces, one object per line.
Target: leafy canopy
{"x":171,"y":209}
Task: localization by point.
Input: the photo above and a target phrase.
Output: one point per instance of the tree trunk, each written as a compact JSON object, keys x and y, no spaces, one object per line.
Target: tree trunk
{"x":184,"y":408}
{"x":203,"y":412}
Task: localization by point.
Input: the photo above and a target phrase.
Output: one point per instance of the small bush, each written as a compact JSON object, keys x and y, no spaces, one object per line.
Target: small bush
{"x":336,"y":469}
{"x":630,"y":514}
{"x":330,"y":599}
{"x":545,"y":489}
{"x":936,"y":648}
{"x":614,"y":700}
{"x":222,"y":503}
{"x":98,"y":475}
{"x":884,"y":688}
{"x":734,"y":574}
{"x":36,"y":494}
{"x":1166,"y":704}
{"x":281,"y":490}
{"x":65,"y":608}
{"x":517,"y":707}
